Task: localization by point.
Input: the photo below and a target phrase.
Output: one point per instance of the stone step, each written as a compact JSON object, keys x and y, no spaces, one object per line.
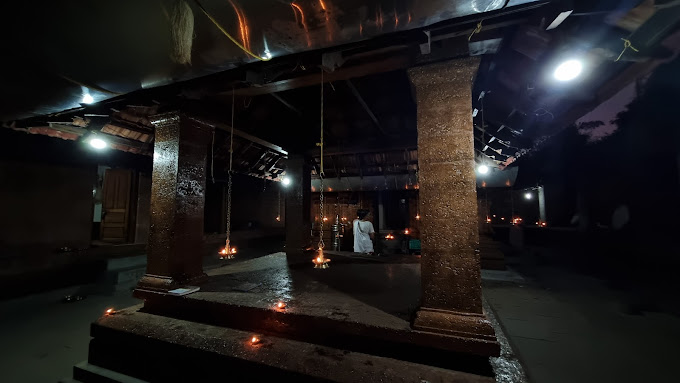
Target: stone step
{"x":88,"y":373}
{"x":156,"y":348}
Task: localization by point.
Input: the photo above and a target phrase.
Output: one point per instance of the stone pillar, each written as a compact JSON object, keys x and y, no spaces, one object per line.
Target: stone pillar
{"x":175,"y":249}
{"x":298,"y":208}
{"x":450,"y":266}
{"x":541,"y":204}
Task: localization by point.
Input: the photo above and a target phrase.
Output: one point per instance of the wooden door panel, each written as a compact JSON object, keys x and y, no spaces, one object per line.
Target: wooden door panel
{"x":116,"y":205}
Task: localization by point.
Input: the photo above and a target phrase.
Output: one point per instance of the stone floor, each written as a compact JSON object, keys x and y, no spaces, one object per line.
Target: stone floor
{"x":565,"y":328}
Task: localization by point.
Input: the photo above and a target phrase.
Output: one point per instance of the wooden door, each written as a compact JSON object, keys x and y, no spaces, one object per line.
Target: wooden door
{"x":116,"y":205}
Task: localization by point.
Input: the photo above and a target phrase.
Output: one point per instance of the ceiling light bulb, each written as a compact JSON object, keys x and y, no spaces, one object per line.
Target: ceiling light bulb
{"x":527,"y":195}
{"x":285,"y":181}
{"x":568,"y":70}
{"x":87,"y":99}
{"x":483,"y":169}
{"x":98,"y":143}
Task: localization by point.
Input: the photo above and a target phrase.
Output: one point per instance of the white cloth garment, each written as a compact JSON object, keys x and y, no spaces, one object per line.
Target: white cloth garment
{"x":362,"y":239}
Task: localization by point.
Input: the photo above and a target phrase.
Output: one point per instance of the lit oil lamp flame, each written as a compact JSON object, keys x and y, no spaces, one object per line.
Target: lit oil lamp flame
{"x":109,"y":311}
{"x":417,"y":216}
{"x":406,"y":231}
{"x":254,"y":340}
{"x":321,"y":262}
{"x":325,"y":219}
{"x":281,"y":305}
{"x":278,"y":218}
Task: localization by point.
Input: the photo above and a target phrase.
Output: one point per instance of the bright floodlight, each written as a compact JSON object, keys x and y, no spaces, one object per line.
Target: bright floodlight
{"x":483,"y":169}
{"x":98,"y":143}
{"x":285,"y":181}
{"x":568,"y":70}
{"x":87,"y":99}
{"x":527,"y":195}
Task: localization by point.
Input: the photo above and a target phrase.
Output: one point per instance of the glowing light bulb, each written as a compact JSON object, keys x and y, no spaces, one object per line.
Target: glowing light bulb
{"x":417,"y":216}
{"x":527,"y":195}
{"x":98,"y":143}
{"x":87,"y":99}
{"x":285,"y":181}
{"x":278,"y":218}
{"x":406,"y":231}
{"x":568,"y":70}
{"x":482,"y":169}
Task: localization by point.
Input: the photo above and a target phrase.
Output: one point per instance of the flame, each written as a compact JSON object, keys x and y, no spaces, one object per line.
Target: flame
{"x":361,"y":30}
{"x":233,"y":250}
{"x":379,"y":18}
{"x":406,"y":231}
{"x":109,"y":311}
{"x":278,"y":218}
{"x":254,"y":340}
{"x":396,"y":19}
{"x":502,"y":218}
{"x":303,"y":22}
{"x":409,"y":18}
{"x":281,"y":305}
{"x":417,"y":216}
{"x":325,"y":219}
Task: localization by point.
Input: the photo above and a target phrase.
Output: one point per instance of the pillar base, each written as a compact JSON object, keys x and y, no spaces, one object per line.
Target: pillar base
{"x":459,"y":324}
{"x":163,"y":284}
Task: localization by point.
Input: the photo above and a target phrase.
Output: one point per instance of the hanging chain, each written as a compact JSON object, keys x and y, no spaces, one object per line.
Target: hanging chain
{"x":321,"y":173}
{"x":231,"y":161}
{"x":278,"y":217}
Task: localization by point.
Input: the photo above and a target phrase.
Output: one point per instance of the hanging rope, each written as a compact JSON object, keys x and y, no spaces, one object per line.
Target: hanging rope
{"x":626,"y":44}
{"x":476,"y":30}
{"x":212,"y":157}
{"x":233,"y":40}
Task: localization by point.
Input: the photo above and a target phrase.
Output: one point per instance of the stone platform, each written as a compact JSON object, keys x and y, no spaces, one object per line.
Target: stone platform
{"x":351,"y":322}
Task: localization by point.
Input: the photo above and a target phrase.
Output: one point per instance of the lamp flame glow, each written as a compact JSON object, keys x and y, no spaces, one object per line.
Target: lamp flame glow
{"x":109,"y":311}
{"x":254,"y":340}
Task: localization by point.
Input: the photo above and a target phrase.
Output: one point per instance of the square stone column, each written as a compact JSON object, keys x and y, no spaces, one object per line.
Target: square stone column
{"x":298,"y":208}
{"x":175,"y":249}
{"x":450,"y":266}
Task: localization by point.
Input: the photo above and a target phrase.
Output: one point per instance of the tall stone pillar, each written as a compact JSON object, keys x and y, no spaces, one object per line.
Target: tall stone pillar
{"x":298,"y":208}
{"x":175,"y":248}
{"x":450,"y":266}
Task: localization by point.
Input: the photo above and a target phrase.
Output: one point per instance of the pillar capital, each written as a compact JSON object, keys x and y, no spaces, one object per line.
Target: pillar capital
{"x":460,"y":71}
